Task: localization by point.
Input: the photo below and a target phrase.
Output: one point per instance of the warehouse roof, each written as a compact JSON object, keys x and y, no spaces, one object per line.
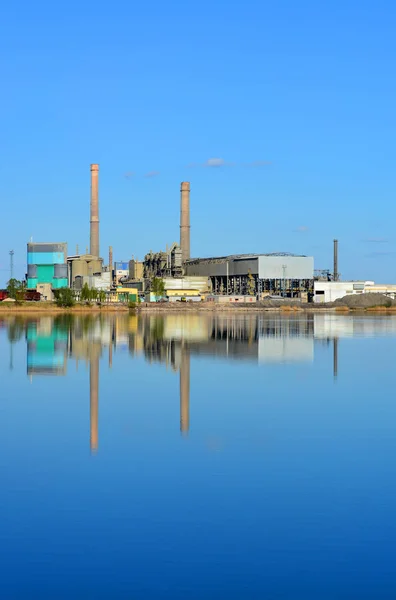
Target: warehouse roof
{"x":242,"y":257}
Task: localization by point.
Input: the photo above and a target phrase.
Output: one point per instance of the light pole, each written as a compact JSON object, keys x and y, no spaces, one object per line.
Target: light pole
{"x":284,"y":267}
{"x":11,"y":264}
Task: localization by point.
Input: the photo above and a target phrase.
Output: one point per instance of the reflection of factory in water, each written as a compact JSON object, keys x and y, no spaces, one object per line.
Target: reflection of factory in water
{"x":47,"y":348}
{"x":241,"y":337}
{"x":175,"y":339}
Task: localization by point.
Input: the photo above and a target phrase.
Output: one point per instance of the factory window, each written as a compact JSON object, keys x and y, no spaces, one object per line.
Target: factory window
{"x":319,"y":292}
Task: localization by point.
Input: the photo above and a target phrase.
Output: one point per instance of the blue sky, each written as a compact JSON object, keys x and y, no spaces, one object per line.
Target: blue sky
{"x":296,"y":100}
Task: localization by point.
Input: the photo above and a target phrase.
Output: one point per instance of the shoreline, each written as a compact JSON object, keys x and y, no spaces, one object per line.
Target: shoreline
{"x":52,"y":309}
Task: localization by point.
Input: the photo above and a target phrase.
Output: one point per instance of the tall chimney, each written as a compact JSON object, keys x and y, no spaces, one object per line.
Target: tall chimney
{"x":94,"y":250}
{"x":185,"y":220}
{"x":335,"y":271}
{"x":110,"y":258}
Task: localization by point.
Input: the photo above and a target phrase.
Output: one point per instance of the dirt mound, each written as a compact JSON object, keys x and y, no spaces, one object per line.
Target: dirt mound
{"x":365,"y":301}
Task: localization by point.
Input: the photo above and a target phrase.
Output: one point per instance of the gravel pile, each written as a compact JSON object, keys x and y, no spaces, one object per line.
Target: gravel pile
{"x":365,"y":301}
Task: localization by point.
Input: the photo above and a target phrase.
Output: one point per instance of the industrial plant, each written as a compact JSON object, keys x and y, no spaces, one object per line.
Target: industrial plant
{"x":242,"y":278}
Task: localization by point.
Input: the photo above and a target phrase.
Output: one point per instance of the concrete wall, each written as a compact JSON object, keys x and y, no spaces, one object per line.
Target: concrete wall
{"x":296,"y":267}
{"x":267,"y":267}
{"x":187,"y":283}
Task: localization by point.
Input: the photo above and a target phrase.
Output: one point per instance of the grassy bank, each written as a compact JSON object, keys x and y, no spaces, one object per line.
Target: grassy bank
{"x":50,"y":308}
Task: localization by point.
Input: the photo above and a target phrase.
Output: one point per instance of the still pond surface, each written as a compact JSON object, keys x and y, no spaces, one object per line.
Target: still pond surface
{"x":191,"y":457}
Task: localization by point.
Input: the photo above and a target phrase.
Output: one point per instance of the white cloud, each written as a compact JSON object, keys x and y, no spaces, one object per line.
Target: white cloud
{"x":215,"y":162}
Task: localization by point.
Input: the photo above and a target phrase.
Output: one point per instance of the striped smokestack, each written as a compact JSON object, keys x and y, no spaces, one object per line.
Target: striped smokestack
{"x":94,"y":238}
{"x":185,"y":220}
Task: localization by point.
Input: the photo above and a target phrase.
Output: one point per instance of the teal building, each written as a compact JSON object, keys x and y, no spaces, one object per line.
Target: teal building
{"x":47,"y":264}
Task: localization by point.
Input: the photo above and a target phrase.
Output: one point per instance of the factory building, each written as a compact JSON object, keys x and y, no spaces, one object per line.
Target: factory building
{"x":84,"y":268}
{"x":330,"y":291}
{"x":46,"y":267}
{"x":256,"y":274}
{"x":135,"y":269}
{"x":121,"y":271}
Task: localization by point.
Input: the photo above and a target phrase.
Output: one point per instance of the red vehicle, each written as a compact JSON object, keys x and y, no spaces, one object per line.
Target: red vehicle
{"x":32,"y":296}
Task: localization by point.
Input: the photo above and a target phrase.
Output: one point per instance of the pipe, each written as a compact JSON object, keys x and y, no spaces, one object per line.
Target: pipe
{"x":335,"y":270}
{"x":185,"y":220}
{"x":94,"y":237}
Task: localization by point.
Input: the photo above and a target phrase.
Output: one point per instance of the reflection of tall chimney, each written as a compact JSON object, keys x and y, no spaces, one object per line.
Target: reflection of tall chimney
{"x":335,"y":271}
{"x":94,"y":401}
{"x":94,"y":250}
{"x":185,"y":391}
{"x":185,"y":220}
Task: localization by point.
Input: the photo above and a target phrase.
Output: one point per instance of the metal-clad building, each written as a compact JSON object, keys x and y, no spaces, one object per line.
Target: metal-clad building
{"x":47,"y":264}
{"x":255,"y":273}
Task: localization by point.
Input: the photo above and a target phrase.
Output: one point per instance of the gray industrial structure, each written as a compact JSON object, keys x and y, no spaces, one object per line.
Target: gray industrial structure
{"x":279,"y":274}
{"x":163,"y":264}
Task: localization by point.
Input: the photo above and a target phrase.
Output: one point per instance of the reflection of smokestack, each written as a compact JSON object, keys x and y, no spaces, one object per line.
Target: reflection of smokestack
{"x":94,"y":401}
{"x":335,"y":358}
{"x":185,"y":220}
{"x":94,"y":210}
{"x":335,"y":273}
{"x":185,"y":391}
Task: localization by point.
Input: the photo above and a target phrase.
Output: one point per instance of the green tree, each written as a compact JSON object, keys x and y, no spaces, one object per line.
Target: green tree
{"x":89,"y":294}
{"x":158,"y":287}
{"x":16,"y":289}
{"x":64,"y":297}
{"x":85,"y":295}
{"x":251,"y":286}
{"x":102,"y":296}
{"x":93,"y":294}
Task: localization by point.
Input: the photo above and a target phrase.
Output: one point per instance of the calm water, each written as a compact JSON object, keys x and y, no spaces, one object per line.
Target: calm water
{"x":185,"y":457}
